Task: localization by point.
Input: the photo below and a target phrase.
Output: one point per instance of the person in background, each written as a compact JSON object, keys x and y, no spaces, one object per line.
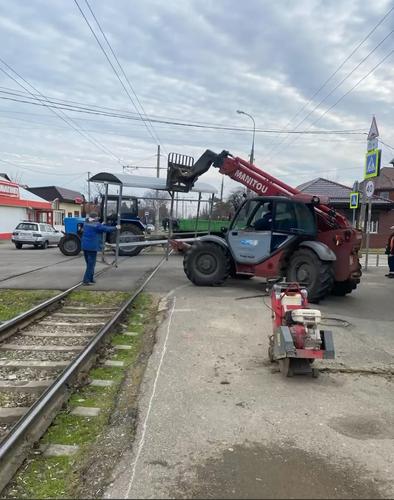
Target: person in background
{"x":390,"y":254}
{"x":91,"y":244}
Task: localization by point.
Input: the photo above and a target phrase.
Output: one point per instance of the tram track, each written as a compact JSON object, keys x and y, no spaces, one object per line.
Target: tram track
{"x":42,"y":353}
{"x":30,"y":271}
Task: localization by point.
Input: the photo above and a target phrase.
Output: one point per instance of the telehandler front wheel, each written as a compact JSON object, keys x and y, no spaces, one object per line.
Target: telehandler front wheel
{"x":206,"y":264}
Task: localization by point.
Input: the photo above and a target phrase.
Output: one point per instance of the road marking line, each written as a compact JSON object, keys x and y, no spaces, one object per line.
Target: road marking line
{"x":145,"y":424}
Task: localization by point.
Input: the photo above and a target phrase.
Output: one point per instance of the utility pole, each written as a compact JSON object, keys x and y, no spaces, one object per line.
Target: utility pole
{"x":372,"y":170}
{"x":89,"y":190}
{"x":157,"y":218}
{"x":221,"y":189}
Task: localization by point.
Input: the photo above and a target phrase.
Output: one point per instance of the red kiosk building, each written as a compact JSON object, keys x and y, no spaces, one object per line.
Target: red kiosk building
{"x":17,"y":204}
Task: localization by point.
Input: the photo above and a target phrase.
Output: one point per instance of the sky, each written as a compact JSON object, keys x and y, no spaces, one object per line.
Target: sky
{"x":307,"y":66}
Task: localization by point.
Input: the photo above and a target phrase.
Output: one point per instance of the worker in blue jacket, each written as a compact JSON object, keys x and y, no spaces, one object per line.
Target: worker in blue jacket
{"x":91,"y":244}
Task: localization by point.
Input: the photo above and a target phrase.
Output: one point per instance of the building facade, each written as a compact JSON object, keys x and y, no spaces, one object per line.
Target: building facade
{"x":339,"y":195}
{"x":18,"y":204}
{"x":65,"y":202}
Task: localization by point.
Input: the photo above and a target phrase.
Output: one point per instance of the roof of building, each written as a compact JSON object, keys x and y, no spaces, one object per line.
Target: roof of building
{"x":385,"y":180}
{"x":50,"y":193}
{"x":334,"y":191}
{"x":3,"y":174}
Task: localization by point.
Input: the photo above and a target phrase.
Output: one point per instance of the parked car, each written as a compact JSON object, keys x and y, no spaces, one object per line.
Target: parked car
{"x":37,"y":234}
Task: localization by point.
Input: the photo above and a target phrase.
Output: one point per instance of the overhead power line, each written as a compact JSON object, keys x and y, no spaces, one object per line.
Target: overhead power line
{"x":152,"y":134}
{"x":123,"y":72}
{"x":389,"y":54}
{"x":334,"y":73}
{"x":343,"y":63}
{"x":37,"y":171}
{"x":60,"y":114}
{"x":181,"y":124}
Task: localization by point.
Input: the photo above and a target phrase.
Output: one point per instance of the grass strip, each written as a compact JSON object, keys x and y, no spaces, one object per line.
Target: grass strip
{"x":61,"y":477}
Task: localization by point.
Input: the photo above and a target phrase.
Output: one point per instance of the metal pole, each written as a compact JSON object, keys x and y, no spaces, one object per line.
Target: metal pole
{"x":221,"y":189}
{"x":104,"y":216}
{"x":157,"y":217}
{"x":368,"y":232}
{"x":354,"y":218}
{"x":198,"y":215}
{"x":210,"y":213}
{"x":89,"y":190}
{"x":170,"y":224}
{"x":118,"y":224}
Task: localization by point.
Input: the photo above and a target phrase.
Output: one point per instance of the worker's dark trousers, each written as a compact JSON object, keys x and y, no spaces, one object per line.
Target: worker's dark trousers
{"x":90,"y":259}
{"x":390,"y":260}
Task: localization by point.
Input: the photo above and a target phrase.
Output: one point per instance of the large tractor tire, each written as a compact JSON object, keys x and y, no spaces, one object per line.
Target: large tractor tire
{"x":206,"y":264}
{"x":316,"y":275}
{"x":130,"y":233}
{"x":70,"y":245}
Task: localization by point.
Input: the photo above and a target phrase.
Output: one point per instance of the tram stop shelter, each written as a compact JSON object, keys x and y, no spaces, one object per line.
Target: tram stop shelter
{"x":122,"y":181}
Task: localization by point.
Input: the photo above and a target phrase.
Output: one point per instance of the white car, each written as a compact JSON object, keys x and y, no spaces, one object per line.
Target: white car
{"x":37,"y":234}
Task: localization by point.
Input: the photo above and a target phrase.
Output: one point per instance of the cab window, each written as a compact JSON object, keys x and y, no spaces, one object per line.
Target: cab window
{"x":243,"y":217}
{"x":294,"y":218}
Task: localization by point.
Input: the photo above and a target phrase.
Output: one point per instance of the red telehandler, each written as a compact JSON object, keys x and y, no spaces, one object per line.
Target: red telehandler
{"x":279,"y":233}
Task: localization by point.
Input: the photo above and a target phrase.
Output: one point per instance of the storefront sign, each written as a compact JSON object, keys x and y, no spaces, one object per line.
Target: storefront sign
{"x":9,"y":189}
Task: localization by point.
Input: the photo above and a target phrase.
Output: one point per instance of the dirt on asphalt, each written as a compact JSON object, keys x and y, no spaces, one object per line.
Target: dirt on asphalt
{"x":256,"y":471}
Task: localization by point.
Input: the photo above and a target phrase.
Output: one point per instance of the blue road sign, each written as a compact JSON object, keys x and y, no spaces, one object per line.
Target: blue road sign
{"x":353,"y":200}
{"x":372,"y":163}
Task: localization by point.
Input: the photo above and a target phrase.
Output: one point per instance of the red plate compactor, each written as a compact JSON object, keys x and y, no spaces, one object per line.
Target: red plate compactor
{"x":297,"y":340}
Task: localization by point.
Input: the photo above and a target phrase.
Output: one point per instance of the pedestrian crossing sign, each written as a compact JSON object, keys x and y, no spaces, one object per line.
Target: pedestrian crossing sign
{"x":372,"y":163}
{"x":353,"y":200}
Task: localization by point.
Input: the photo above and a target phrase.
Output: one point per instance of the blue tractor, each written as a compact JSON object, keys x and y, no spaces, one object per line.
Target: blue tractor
{"x":132,"y":229}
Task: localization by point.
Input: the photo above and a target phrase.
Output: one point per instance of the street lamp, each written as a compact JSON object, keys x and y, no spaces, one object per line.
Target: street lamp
{"x":251,"y":158}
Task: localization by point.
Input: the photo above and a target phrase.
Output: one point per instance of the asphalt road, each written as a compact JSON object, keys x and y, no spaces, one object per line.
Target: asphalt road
{"x":217,"y":420}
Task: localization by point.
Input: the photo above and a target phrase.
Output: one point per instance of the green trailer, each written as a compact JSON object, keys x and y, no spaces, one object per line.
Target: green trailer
{"x":203,"y":225}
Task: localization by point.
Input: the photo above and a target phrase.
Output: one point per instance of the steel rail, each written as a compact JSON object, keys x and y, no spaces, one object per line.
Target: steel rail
{"x":14,"y":447}
{"x":13,"y":276}
{"x":42,"y":306}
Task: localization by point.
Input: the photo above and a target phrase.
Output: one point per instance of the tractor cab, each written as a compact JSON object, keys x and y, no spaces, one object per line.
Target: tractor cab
{"x":265,"y":224}
{"x":128,"y":208}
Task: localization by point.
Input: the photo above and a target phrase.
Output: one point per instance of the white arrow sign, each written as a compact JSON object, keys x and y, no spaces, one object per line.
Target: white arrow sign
{"x":369,"y":189}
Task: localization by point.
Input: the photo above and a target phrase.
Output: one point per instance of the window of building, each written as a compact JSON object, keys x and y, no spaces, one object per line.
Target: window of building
{"x":373,"y":227}
{"x":384,"y":194}
{"x":58,"y":217}
{"x":69,"y":214}
{"x":76,"y":213}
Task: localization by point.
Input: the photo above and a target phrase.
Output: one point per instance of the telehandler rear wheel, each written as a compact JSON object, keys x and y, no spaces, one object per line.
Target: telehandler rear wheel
{"x":206,"y":264}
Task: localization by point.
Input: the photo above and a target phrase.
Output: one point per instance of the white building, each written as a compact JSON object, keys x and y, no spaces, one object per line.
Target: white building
{"x":17,"y":204}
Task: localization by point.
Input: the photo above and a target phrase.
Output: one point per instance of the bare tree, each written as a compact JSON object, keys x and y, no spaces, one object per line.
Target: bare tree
{"x":236,"y":198}
{"x":149,"y":204}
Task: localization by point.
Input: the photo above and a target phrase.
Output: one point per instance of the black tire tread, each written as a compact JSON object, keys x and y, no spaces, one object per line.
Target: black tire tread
{"x":326,"y":274}
{"x":192,"y":251}
{"x":137,"y":231}
{"x":62,"y":241}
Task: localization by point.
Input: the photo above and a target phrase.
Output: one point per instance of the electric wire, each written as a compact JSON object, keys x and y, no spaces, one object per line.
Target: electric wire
{"x":61,"y":115}
{"x":123,"y":72}
{"x":273,"y":150}
{"x":193,"y":125}
{"x":341,"y":65}
{"x":114,"y":69}
{"x":388,"y":55}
